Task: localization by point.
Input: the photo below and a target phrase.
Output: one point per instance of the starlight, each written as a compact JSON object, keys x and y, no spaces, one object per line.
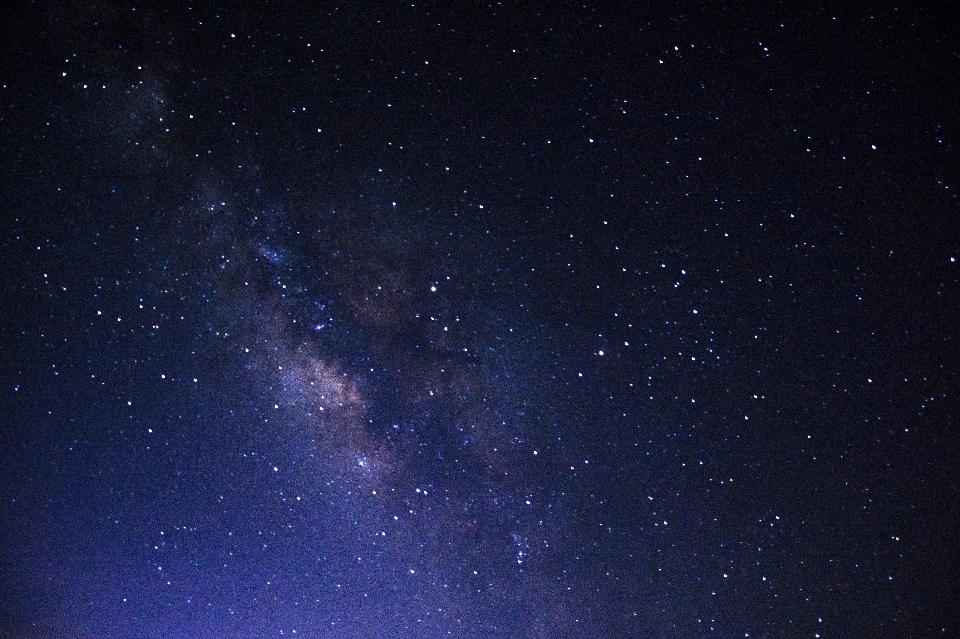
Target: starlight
{"x":303,"y":335}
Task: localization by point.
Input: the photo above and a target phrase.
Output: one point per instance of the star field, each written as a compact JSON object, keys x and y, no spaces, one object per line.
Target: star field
{"x":478,"y":320}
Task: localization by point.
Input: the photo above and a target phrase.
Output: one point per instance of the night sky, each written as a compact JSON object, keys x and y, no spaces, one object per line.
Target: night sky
{"x":403,"y":319}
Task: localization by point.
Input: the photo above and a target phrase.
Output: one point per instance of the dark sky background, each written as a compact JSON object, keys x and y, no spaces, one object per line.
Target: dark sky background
{"x":418,"y":319}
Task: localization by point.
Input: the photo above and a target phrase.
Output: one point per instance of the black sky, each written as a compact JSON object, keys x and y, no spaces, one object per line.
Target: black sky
{"x":478,"y":320}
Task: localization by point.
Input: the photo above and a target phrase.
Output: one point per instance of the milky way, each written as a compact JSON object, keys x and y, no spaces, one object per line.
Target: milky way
{"x":400,"y":417}
{"x":404,"y":320}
